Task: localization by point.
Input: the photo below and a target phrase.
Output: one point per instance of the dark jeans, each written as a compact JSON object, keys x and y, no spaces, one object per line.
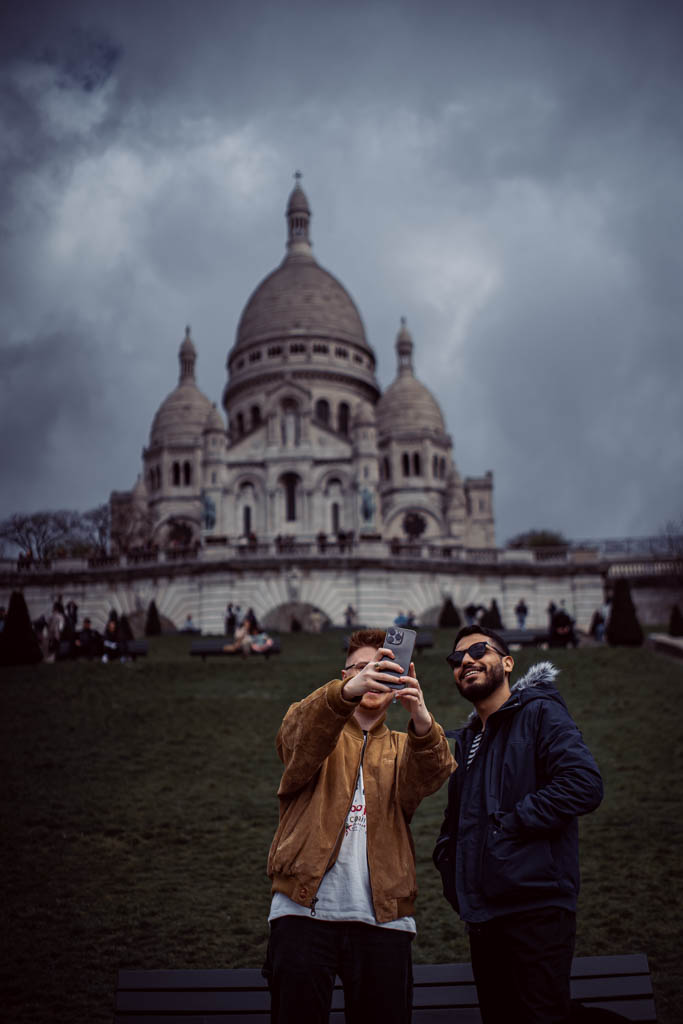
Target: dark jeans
{"x":522,"y":963}
{"x":374,"y":964}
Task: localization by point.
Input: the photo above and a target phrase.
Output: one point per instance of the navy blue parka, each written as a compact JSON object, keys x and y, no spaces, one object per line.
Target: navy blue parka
{"x":509,"y":838}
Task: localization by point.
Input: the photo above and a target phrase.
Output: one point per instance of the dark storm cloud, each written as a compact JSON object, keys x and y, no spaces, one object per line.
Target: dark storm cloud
{"x":51,"y":397}
{"x":506,"y":175}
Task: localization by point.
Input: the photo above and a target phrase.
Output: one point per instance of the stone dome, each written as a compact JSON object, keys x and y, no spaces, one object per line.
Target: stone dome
{"x":214,"y":420}
{"x":299,"y":298}
{"x":407,"y":405}
{"x":183,"y":415}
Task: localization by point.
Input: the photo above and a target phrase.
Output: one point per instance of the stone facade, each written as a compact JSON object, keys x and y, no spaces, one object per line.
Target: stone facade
{"x":312,"y":448}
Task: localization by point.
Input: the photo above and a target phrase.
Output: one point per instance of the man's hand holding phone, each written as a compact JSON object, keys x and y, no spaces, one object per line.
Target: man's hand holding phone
{"x":412,"y":698}
{"x":378,"y":676}
{"x":383,"y":675}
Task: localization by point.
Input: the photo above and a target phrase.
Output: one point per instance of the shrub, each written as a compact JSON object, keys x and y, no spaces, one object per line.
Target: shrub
{"x":153,"y":623}
{"x":676,"y":622}
{"x":623,"y":628}
{"x":449,"y":617}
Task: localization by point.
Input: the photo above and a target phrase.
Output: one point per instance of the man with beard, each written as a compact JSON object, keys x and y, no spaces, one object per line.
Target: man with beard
{"x":342,"y":861}
{"x":508,"y":847}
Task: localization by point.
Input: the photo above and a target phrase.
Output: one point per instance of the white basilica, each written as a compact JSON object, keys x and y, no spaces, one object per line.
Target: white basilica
{"x":313,"y":451}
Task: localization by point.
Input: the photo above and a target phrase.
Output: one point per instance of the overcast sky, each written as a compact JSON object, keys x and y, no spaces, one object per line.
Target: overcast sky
{"x":508,"y":176}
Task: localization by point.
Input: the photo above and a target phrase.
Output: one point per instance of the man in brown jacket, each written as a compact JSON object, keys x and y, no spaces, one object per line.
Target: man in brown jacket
{"x":342,"y":860}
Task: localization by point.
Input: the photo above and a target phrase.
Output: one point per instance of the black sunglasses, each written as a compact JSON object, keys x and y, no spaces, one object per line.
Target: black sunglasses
{"x":477,"y":650}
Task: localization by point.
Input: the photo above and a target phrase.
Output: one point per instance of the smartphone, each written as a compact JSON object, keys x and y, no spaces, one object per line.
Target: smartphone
{"x":400,"y":642}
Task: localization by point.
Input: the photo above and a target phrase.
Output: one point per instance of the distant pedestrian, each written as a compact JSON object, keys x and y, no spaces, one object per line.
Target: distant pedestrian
{"x":229,"y":620}
{"x":562,"y":629}
{"x":471,"y":613}
{"x":112,"y":645}
{"x":88,"y":642}
{"x":597,"y":626}
{"x":55,"y":628}
{"x":521,"y":611}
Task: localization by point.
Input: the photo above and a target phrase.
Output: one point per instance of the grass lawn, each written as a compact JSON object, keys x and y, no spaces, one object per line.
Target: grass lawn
{"x":138,"y":805}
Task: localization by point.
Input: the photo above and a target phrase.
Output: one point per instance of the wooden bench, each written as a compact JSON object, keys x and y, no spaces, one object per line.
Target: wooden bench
{"x":524,"y":637}
{"x":442,"y":993}
{"x":131,"y":649}
{"x":212,"y":646}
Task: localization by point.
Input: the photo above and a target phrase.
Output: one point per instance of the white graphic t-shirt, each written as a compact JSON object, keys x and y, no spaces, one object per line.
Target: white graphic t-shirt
{"x":344,"y":893}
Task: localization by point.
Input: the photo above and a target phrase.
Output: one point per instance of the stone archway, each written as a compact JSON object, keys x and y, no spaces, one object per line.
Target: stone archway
{"x":296,"y":616}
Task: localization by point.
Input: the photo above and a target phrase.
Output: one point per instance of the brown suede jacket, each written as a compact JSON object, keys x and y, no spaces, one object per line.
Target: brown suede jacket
{"x":320,"y":745}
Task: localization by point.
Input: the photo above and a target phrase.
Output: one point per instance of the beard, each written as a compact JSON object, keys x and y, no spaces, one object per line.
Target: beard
{"x":483,"y":688}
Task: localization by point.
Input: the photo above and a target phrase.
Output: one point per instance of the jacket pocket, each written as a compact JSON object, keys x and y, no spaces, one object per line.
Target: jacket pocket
{"x":513,"y":866}
{"x":447,"y":872}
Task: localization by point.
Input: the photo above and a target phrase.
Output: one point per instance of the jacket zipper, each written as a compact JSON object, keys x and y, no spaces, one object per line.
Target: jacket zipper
{"x":334,"y":845}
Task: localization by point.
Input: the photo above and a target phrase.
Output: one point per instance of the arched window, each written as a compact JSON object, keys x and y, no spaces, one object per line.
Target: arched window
{"x":405,"y":462}
{"x":335,"y":518}
{"x":322,"y":411}
{"x":442,"y":467}
{"x":176,"y":474}
{"x":417,"y":465}
{"x":290,"y":482}
{"x":255,"y":416}
{"x":187,"y":474}
{"x":246,"y":520}
{"x":240,"y":424}
{"x":435,"y":465}
{"x":343,"y":418}
{"x":387,"y":468}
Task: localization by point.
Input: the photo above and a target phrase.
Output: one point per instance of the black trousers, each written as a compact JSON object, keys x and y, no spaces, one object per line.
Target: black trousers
{"x":522,"y":964}
{"x":374,"y":964}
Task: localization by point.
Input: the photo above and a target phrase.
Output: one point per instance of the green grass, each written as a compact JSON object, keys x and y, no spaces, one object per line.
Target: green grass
{"x":138,"y":805}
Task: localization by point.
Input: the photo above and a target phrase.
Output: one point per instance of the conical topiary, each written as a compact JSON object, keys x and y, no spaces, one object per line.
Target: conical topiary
{"x":153,"y":623}
{"x":19,"y":644}
{"x":449,"y":617}
{"x":623,"y":628}
{"x":676,"y":622}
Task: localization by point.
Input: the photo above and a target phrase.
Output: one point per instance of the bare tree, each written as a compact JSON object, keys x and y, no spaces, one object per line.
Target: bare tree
{"x":96,"y":527}
{"x":42,"y":534}
{"x":132,"y":529}
{"x":538,"y":539}
{"x":672,"y":533}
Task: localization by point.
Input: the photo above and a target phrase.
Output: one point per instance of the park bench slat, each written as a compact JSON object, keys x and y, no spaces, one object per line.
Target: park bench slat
{"x":637,"y":1010}
{"x":213,"y":978}
{"x":439,"y":974}
{"x":210,"y":646}
{"x":609,"y":988}
{"x":629,"y":963}
{"x":193,"y":1001}
{"x":445,"y":995}
{"x":442,"y":992}
{"x":238,"y":1017}
{"x":450,"y":1014}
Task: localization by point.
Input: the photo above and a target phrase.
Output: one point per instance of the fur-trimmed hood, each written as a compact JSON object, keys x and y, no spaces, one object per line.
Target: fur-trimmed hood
{"x":543,"y":674}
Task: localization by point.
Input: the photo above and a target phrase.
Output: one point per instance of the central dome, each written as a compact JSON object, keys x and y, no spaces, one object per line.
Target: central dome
{"x":299,"y":298}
